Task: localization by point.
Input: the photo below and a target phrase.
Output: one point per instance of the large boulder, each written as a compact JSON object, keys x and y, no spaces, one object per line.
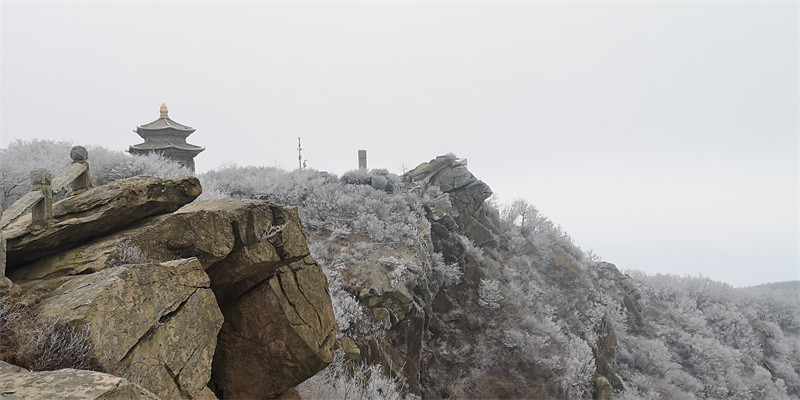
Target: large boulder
{"x":155,"y":324}
{"x":276,"y":335}
{"x":96,"y":212}
{"x":66,"y":384}
{"x":206,"y":235}
{"x":265,"y":237}
{"x":235,"y":239}
{"x":279,"y":323}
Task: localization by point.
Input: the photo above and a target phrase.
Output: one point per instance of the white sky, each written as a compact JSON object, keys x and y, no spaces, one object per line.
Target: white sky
{"x":662,"y":135}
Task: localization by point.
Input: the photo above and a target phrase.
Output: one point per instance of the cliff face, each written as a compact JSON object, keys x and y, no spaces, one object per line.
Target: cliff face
{"x":482,"y":305}
{"x":186,"y":300}
{"x":459,"y":319}
{"x":436,"y":314}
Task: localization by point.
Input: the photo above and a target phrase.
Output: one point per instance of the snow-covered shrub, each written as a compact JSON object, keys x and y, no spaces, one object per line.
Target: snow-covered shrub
{"x":212,"y":194}
{"x":449,"y":273}
{"x":379,"y":179}
{"x":105,"y":166}
{"x":325,"y":202}
{"x":127,"y":253}
{"x":489,"y":294}
{"x":38,"y":346}
{"x":345,"y":379}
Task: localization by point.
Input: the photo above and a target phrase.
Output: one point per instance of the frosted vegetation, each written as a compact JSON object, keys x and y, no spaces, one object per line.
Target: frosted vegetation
{"x":705,"y":339}
{"x":541,"y":306}
{"x":346,"y":379}
{"x":21,"y":157}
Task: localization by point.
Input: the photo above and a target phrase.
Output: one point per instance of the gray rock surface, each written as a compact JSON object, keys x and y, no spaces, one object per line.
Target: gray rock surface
{"x":155,"y":321}
{"x":278,"y":334}
{"x":67,"y":384}
{"x":96,"y":212}
{"x":155,"y":324}
{"x":206,"y":235}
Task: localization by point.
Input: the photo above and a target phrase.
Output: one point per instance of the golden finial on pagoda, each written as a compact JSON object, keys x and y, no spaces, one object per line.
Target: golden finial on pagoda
{"x":163,"y":110}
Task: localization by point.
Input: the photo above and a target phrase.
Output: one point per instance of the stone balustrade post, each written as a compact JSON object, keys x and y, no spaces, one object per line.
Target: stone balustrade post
{"x":42,"y":211}
{"x":79,"y":155}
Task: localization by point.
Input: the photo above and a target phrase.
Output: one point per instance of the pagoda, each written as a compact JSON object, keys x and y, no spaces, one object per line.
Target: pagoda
{"x":168,"y":138}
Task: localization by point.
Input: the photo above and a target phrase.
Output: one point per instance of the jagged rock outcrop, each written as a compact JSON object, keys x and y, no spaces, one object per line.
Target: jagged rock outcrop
{"x":466,"y":195}
{"x":96,"y":212}
{"x":624,"y":289}
{"x":68,"y":384}
{"x":277,"y":334}
{"x":156,"y":324}
{"x":248,"y":257}
{"x":605,"y":360}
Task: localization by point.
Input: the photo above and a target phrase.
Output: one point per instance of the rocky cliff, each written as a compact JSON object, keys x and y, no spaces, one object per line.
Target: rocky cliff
{"x":184,"y":299}
{"x":430,"y":319}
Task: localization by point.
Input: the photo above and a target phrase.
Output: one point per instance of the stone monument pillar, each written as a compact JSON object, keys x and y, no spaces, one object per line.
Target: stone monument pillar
{"x":362,"y":159}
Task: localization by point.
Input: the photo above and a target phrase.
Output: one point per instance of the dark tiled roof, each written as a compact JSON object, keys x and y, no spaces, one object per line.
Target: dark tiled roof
{"x":163,"y":123}
{"x":163,"y":146}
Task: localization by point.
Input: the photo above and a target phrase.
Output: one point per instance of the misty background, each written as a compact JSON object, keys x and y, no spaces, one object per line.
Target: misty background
{"x":664,"y":136}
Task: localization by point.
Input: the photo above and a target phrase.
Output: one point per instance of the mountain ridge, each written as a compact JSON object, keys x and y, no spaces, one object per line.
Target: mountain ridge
{"x":455,"y":298}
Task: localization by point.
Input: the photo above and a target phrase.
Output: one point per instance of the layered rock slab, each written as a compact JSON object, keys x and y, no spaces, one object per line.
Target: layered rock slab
{"x":276,"y":335}
{"x":206,"y":235}
{"x":67,"y":384}
{"x":155,"y":324}
{"x":96,"y":212}
{"x":235,"y":239}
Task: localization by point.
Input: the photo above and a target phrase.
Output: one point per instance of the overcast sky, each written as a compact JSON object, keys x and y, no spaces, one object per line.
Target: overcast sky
{"x":664,"y":135}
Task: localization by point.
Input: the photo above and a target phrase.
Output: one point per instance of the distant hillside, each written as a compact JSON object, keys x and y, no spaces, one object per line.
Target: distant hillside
{"x":790,"y":286}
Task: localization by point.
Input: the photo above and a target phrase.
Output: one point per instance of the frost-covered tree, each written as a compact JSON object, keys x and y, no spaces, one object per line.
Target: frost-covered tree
{"x":105,"y":166}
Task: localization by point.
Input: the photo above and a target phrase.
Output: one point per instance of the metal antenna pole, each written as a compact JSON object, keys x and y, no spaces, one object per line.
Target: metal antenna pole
{"x":299,"y":154}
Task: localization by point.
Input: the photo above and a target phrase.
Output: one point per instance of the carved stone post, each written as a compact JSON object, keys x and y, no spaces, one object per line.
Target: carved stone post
{"x":2,"y":252}
{"x":362,"y":159}
{"x":79,"y":155}
{"x":42,"y":211}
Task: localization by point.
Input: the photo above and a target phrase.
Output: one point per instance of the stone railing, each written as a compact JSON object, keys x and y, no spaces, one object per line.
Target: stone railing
{"x":40,"y":199}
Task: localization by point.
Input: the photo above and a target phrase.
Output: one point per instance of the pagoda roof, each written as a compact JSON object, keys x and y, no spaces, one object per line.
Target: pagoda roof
{"x":150,"y":146}
{"x":164,"y":122}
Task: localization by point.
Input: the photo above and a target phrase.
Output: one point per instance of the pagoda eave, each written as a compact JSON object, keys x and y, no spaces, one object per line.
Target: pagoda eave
{"x":146,"y":133}
{"x":135,"y":149}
